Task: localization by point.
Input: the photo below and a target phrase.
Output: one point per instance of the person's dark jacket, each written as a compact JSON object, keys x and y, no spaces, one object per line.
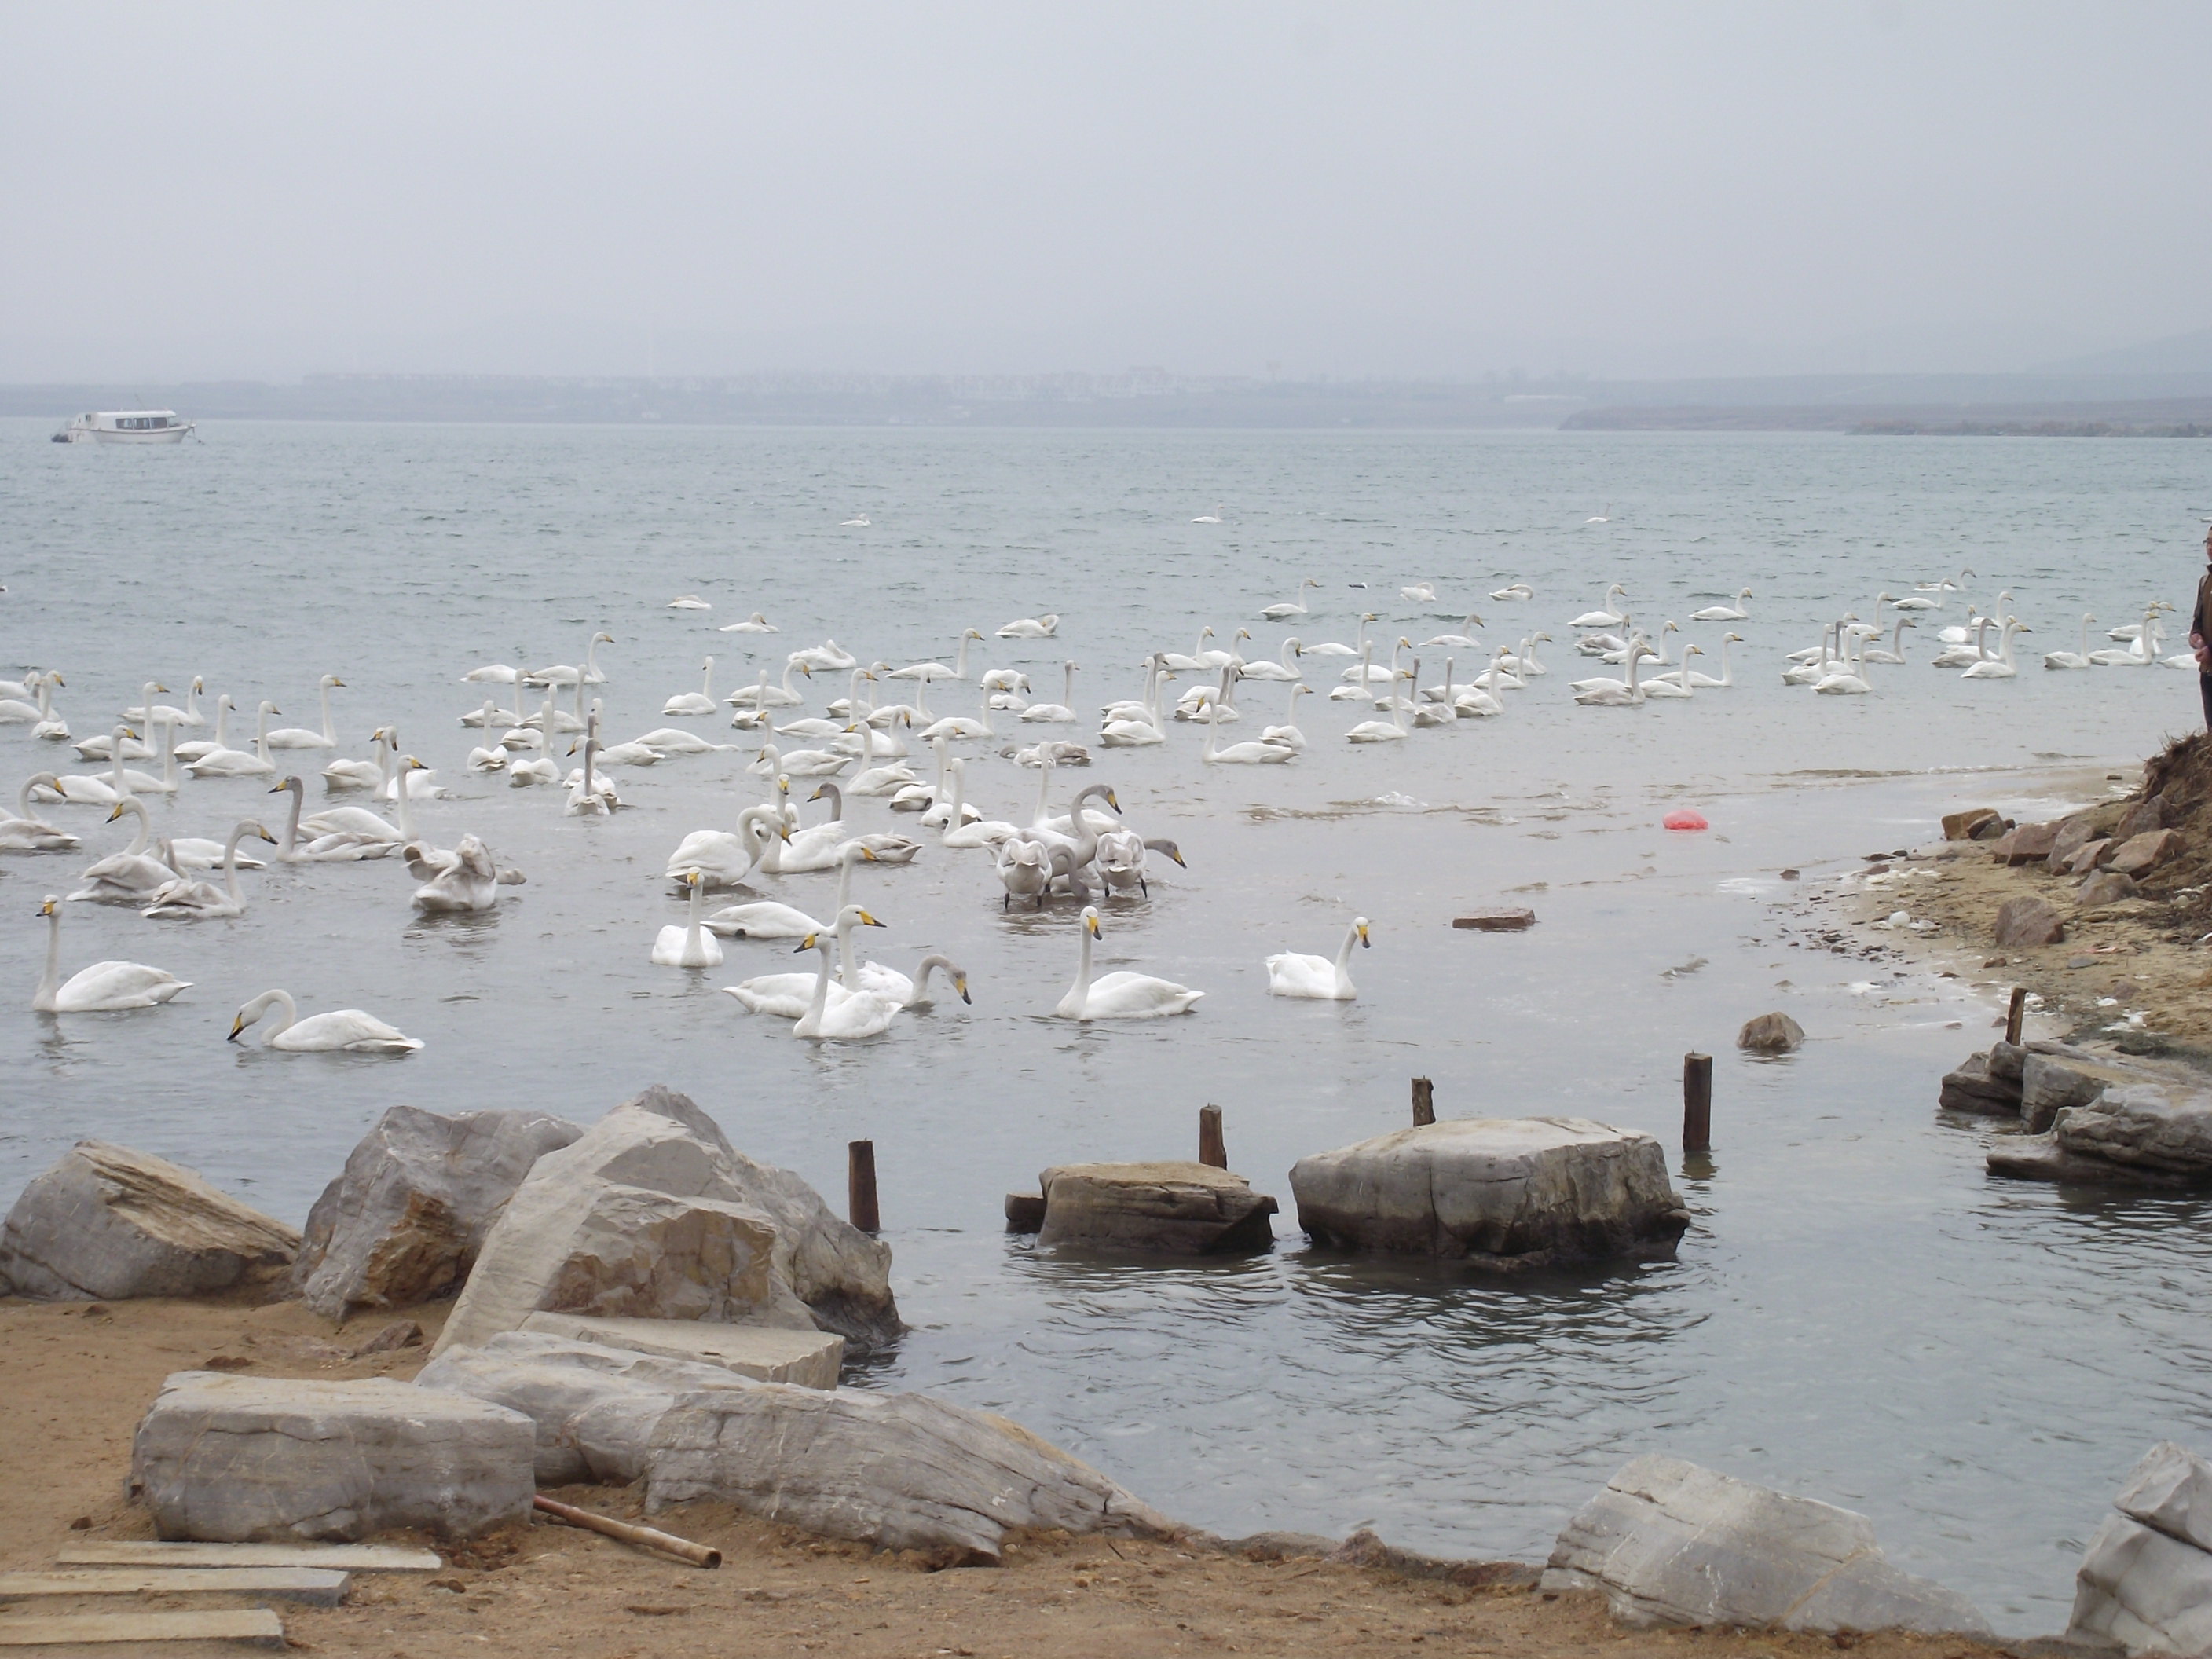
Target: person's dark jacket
{"x":2200,"y":620}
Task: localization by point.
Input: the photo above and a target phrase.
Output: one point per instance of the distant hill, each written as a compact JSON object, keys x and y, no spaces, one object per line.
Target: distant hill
{"x":2176,"y":353}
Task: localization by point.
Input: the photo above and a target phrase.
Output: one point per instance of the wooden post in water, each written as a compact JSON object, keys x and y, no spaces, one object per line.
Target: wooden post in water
{"x":1696,"y":1102}
{"x":1425,"y":1102}
{"x":1211,"y":1148}
{"x":860,"y":1185}
{"x":2013,"y":1014}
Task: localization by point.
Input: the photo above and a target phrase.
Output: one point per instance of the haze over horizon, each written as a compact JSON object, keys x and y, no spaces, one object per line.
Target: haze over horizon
{"x":1417,"y":191}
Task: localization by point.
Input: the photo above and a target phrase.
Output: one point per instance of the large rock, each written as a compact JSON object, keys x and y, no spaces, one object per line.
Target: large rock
{"x":2146,"y":1578}
{"x":2075,"y":833}
{"x":1670,"y":1543}
{"x":809,"y":1358}
{"x":899,"y":1471}
{"x":405,"y":1220}
{"x":232,"y":1459}
{"x":653,"y":1214}
{"x":1976,"y":1087}
{"x":2031,"y":843}
{"x":2140,"y":817}
{"x":107,"y":1223}
{"x":1961,"y":826}
{"x":2048,"y":1087}
{"x":1168,"y":1208}
{"x":2028,"y":922}
{"x":2144,"y":852}
{"x":2105,"y":887}
{"x":1506,"y":1192}
{"x":595,"y":1406}
{"x":2143,"y":1126}
{"x":1771,"y":1034}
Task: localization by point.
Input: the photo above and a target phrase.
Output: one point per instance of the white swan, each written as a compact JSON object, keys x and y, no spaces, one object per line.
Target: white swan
{"x":769,"y":919}
{"x":1962,"y":656}
{"x":1617,"y":694}
{"x":1290,"y":975}
{"x":1513,"y":591}
{"x":491,"y":673}
{"x":1281,"y":668}
{"x":1213,"y":517}
{"x":1121,"y":860}
{"x":688,"y":602}
{"x":1735,"y":613}
{"x":1725,"y":678}
{"x":687,"y":943}
{"x":342,"y":1030}
{"x":103,"y":989}
{"x":465,"y":879}
{"x":820,"y":846}
{"x":1261,"y":753}
{"x":785,"y":996}
{"x":829,"y":656}
{"x":1294,"y":606}
{"x":237,"y":763}
{"x":589,"y":795}
{"x":756,"y":623}
{"x":1031,"y":628}
{"x":1287,"y":733}
{"x":2002,"y":666}
{"x":361,"y":834}
{"x":723,"y":858}
{"x":299,"y":737}
{"x":1463,"y":640}
{"x":857,"y":1014}
{"x":700,"y":702}
{"x":1420,"y":592}
{"x":566,"y":674}
{"x":51,"y":727}
{"x":857,"y":521}
{"x":1680,"y":685}
{"x":23,"y":833}
{"x":1393,"y":730}
{"x":1894,"y":652}
{"x":1120,"y":996}
{"x":1023,"y":868}
{"x":937,"y":671}
{"x":974,"y":831}
{"x":188,"y":715}
{"x":342,"y":776}
{"x":878,"y":781}
{"x":893,"y":986}
{"x":192,"y":899}
{"x":15,"y":710}
{"x":1843,"y":682}
{"x":1056,"y":714}
{"x":106,"y":745}
{"x":1609,"y":613}
{"x":125,"y":878}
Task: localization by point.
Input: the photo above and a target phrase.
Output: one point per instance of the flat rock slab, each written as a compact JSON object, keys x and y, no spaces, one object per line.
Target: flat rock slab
{"x":313,"y":1586}
{"x":107,"y":1224}
{"x":2146,"y":1578}
{"x":2144,"y":852}
{"x":1670,"y":1543}
{"x":1980,"y":1086}
{"x":1497,"y":921}
{"x":899,"y":1471}
{"x":1519,"y":1192}
{"x":235,"y":1459}
{"x":809,"y":1358}
{"x":1168,"y":1208}
{"x":345,"y":1557}
{"x":255,"y":1626}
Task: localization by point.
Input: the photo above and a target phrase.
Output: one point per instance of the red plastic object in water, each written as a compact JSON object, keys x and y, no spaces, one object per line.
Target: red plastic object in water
{"x":1686,"y":821}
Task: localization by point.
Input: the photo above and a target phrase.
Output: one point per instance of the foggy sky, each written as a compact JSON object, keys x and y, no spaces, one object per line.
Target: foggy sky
{"x":259,"y":190}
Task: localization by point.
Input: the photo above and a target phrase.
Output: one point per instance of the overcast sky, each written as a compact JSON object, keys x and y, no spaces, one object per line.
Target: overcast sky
{"x":263,"y":189}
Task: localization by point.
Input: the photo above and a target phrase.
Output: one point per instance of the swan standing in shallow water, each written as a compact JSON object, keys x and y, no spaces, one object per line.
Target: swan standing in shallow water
{"x":342,"y":1030}
{"x":1290,"y":975}
{"x":1120,"y":996}
{"x":198,"y":900}
{"x":687,"y":943}
{"x":105,"y":988}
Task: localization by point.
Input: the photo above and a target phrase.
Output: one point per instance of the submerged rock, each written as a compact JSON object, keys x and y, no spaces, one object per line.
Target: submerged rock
{"x":109,"y":1223}
{"x":1670,"y":1543}
{"x":1170,"y":1208}
{"x":1504,"y":1192}
{"x":1771,"y":1034}
{"x":2146,"y":1578}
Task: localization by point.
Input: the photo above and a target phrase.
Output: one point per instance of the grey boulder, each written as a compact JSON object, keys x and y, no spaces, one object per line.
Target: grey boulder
{"x":2143,"y":1126}
{"x":1771,"y":1034}
{"x":2146,"y":1578}
{"x":766,"y":1353}
{"x":405,"y":1220}
{"x":2048,"y":1087}
{"x":1164,"y":1208}
{"x":1505,"y":1191}
{"x":1670,"y":1543}
{"x":899,"y":1471}
{"x":1977,"y":1087}
{"x":108,"y":1224}
{"x":230,"y":1459}
{"x":2028,"y":922}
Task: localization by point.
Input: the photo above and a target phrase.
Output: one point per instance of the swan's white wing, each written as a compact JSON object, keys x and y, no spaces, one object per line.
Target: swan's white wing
{"x":1137,"y":996}
{"x":113,"y":986}
{"x":344,"y":1028}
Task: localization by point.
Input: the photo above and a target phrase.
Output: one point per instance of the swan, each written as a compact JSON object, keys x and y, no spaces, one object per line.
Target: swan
{"x":829,"y":655}
{"x":1480,"y":700}
{"x":959,"y":726}
{"x":491,"y":673}
{"x":756,"y":623}
{"x":237,"y":763}
{"x":1464,"y":640}
{"x":1213,"y":517}
{"x":857,"y":1014}
{"x":1290,"y":975}
{"x":51,"y":727}
{"x":1514,"y":591}
{"x":1121,"y":859}
{"x":589,"y":795}
{"x":1278,"y":669}
{"x":341,"y":776}
{"x":1442,"y":709}
{"x":494,"y":759}
{"x":799,"y":762}
{"x":16,"y":711}
{"x":1287,"y":733}
{"x":785,"y":996}
{"x":466,"y":879}
{"x":1962,"y":656}
{"x":121,"y":741}
{"x":1355,"y":689}
{"x":107,"y":787}
{"x":125,"y":878}
{"x":2137,"y":655}
{"x":345,"y":835}
{"x":1261,"y":753}
{"x":1120,"y":996}
{"x":723,"y":858}
{"x":1370,"y":672}
{"x":491,"y":714}
{"x":1638,"y":646}
{"x":1843,"y":682}
{"x":1735,"y":613}
{"x":1031,"y":628}
{"x":194,"y":901}
{"x":1616,"y":694}
{"x":105,"y":988}
{"x":1176,"y":662}
{"x":1725,"y":678}
{"x":1605,"y":517}
{"x":857,"y":521}
{"x":1023,"y":868}
{"x":565,"y":674}
{"x":299,"y":737}
{"x":1523,"y":662}
{"x":944,"y":809}
{"x":764,"y":695}
{"x":342,"y":1030}
{"x":1895,"y":652}
{"x":1608,"y":614}
{"x":937,"y":671}
{"x":874,"y":780}
{"x":768,"y":919}
{"x":977,"y":831}
{"x":1056,"y":714}
{"x":188,"y":715}
{"x":25,"y":834}
{"x":2002,"y":666}
{"x":688,"y":945}
{"x":1419,"y":593}
{"x":1390,"y":731}
{"x":663,"y":741}
{"x":688,"y":602}
{"x":820,"y":846}
{"x":1337,"y":649}
{"x":1294,"y":606}
{"x":1681,"y":685}
{"x":700,"y":702}
{"x":895,"y":987}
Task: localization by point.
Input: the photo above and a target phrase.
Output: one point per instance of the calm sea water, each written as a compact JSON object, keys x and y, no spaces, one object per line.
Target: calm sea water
{"x":1858,"y":1315}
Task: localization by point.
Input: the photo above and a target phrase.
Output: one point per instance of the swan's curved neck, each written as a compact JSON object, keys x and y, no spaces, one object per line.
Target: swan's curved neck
{"x":144,"y":832}
{"x":169,"y":755}
{"x":261,"y":735}
{"x":789,"y":689}
{"x":850,"y":857}
{"x":820,"y":1005}
{"x":707,"y":680}
{"x":50,"y":982}
{"x":330,"y":731}
{"x":292,"y":825}
{"x":115,"y":761}
{"x":837,"y":803}
{"x":959,"y":793}
{"x":285,"y":1016}
{"x":692,"y":943}
{"x":230,"y":865}
{"x":1044,"y":786}
{"x":848,"y":970}
{"x":1081,"y":994}
{"x":1344,"y":952}
{"x":960,"y":658}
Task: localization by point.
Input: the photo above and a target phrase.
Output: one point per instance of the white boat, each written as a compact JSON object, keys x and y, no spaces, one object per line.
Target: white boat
{"x":126,"y":426}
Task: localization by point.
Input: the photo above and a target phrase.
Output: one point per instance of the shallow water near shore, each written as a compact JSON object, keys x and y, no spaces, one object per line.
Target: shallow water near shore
{"x":1857,"y":1313}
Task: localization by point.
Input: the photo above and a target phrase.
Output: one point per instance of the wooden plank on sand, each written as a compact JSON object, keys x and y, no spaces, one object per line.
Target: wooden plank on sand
{"x":345,"y":1557}
{"x":313,"y":1585}
{"x":256,"y":1625}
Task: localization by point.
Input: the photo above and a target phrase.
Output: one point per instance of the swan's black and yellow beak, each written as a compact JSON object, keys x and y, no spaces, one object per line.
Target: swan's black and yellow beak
{"x":960,"y":984}
{"x":1366,"y":943}
{"x":806,"y":944}
{"x":784,"y":831}
{"x":337,"y":683}
{"x":117,"y":813}
{"x":820,"y":789}
{"x":1091,"y":922}
{"x":56,"y":677}
{"x":236,"y":1026}
{"x":265,"y":835}
{"x":47,"y":909}
{"x":867,"y":921}
{"x":1111,"y":802}
{"x":868,"y":852}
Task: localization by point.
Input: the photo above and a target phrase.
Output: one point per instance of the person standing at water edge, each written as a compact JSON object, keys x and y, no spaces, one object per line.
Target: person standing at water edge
{"x":2200,"y":630}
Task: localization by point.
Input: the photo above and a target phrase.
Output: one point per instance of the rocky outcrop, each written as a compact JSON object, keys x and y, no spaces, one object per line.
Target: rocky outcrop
{"x":899,"y":1471}
{"x":405,"y":1220}
{"x":232,"y":1459}
{"x":2146,"y":1578}
{"x":1670,"y":1543}
{"x":1771,"y":1034}
{"x":2026,"y":922}
{"x":1503,"y":1192}
{"x":1165,"y":1208}
{"x":653,"y":1214}
{"x":2050,"y":1086}
{"x":809,"y":1359}
{"x":1963,"y":826}
{"x":2031,"y":843}
{"x":2139,"y":854}
{"x":2105,"y":887}
{"x":2133,"y":1133}
{"x":1977,"y":1087}
{"x":107,"y":1224}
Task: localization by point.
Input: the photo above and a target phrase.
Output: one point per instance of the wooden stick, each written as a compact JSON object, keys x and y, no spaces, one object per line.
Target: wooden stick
{"x":1696,"y":1102}
{"x":646,"y":1537}
{"x":1425,"y":1102}
{"x":1211,"y":1148}
{"x":2014,"y":1014}
{"x":860,"y":1185}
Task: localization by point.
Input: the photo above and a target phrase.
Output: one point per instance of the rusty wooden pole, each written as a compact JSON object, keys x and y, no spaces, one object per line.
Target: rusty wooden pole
{"x":1425,"y":1102}
{"x":1211,"y":1148}
{"x":860,"y":1185}
{"x":698,"y":1555}
{"x":2014,"y":1014}
{"x":1696,"y":1102}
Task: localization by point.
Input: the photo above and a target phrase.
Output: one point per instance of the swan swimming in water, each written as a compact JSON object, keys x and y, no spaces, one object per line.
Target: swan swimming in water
{"x":342,"y":1030}
{"x":856,"y":1014}
{"x":766,"y":918}
{"x":1295,"y":606}
{"x":194,"y":900}
{"x":1724,"y":612}
{"x":687,"y":943}
{"x":299,"y":737}
{"x":1290,"y":975}
{"x":24,"y":833}
{"x":700,"y":702}
{"x":2002,"y":666}
{"x":756,"y":623}
{"x":104,"y":988}
{"x":1031,"y":628}
{"x":1120,"y":996}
